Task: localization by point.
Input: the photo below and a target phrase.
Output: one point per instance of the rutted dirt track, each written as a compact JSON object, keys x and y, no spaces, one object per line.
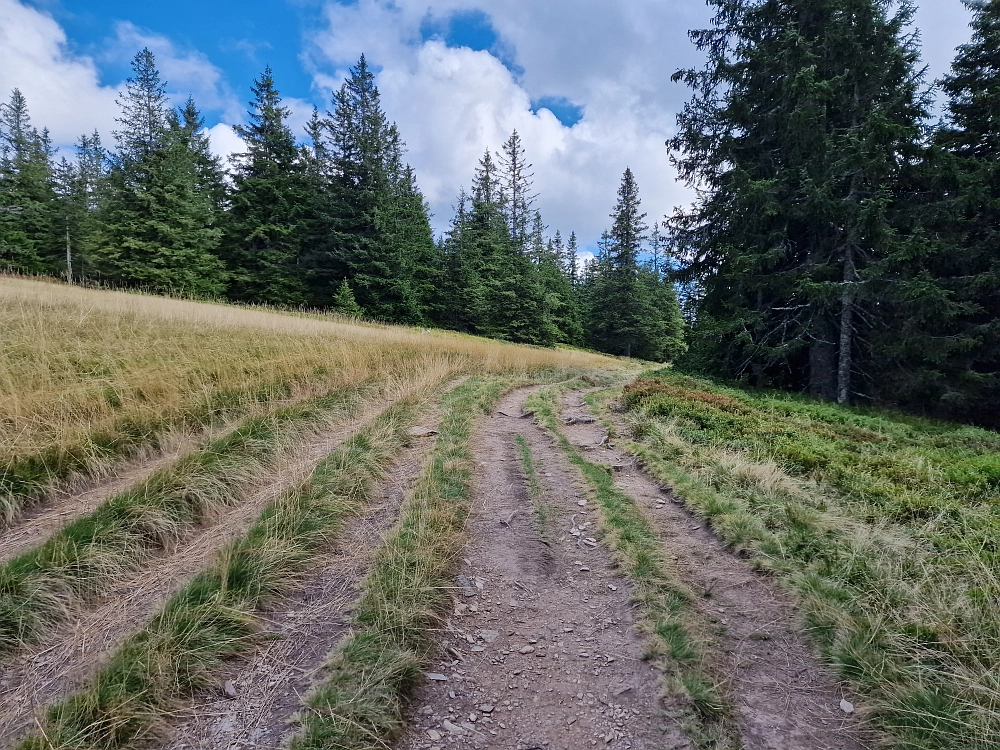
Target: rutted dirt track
{"x":36,"y":676}
{"x":33,"y":526}
{"x":541,"y":650}
{"x":784,"y":698}
{"x":544,"y":655}
{"x":306,"y":627}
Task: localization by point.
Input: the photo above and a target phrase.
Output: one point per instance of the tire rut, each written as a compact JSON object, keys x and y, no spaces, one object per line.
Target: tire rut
{"x":541,"y":649}
{"x":305,"y":627}
{"x":782,"y":695}
{"x":36,"y":676}
{"x":33,"y":526}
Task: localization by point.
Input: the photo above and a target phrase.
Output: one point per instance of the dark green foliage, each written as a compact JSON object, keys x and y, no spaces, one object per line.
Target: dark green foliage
{"x":384,"y":240}
{"x":801,"y":133}
{"x":631,"y":309}
{"x":269,"y":206}
{"x":158,"y":220}
{"x":344,"y":302}
{"x":491,"y":287}
{"x":941,"y":354}
{"x":29,"y":224}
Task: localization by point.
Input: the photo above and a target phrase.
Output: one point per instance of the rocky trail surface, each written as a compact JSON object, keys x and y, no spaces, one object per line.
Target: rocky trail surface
{"x":540,"y":651}
{"x":782,"y":695}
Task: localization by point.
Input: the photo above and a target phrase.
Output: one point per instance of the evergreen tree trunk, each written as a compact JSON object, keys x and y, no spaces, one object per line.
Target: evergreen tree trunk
{"x":846,"y":328}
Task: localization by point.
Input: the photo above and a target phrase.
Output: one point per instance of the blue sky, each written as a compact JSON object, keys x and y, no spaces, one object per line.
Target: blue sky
{"x":586,"y":82}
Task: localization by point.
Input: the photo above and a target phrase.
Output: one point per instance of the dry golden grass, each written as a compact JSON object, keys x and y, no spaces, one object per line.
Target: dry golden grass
{"x":87,"y":376}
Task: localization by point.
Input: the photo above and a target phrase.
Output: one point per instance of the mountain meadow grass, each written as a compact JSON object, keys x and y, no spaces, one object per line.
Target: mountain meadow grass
{"x":887,"y":526}
{"x":89,"y":377}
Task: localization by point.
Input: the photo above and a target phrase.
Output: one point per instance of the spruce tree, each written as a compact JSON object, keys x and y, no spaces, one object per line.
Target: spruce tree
{"x":516,"y":197}
{"x":942,"y":352}
{"x":158,"y":222}
{"x":802,"y":126}
{"x":631,"y":310}
{"x":383,"y":228}
{"x":269,"y":206}
{"x":29,"y":225}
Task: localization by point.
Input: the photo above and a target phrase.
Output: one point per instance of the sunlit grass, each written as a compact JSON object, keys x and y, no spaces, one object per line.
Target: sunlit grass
{"x":88,"y":376}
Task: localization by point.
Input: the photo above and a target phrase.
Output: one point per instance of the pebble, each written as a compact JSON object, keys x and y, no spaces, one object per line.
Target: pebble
{"x":437,"y":676}
{"x":434,"y":734}
{"x":229,"y":689}
{"x":847,"y":707}
{"x":453,"y":728}
{"x":527,"y":649}
{"x":582,"y":503}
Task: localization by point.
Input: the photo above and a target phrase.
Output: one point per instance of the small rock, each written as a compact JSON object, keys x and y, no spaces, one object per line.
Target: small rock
{"x":527,"y":649}
{"x":421,"y":432}
{"x":486,"y":708}
{"x":229,"y":689}
{"x":453,"y":728}
{"x":847,"y":707}
{"x":464,"y":583}
{"x":582,"y":503}
{"x":477,"y":649}
{"x":584,"y":569}
{"x":488,"y":635}
{"x":437,"y":676}
{"x":612,"y":587}
{"x":434,"y":734}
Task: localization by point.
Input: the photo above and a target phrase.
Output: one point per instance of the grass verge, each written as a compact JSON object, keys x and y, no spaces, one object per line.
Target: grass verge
{"x":887,"y":526}
{"x":212,"y":617}
{"x":404,"y":596}
{"x":676,"y":636}
{"x":42,"y":586}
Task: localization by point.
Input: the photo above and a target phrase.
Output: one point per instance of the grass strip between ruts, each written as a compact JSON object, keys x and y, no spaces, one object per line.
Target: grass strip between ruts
{"x":405,"y":594}
{"x":675,"y":635}
{"x":44,"y":585}
{"x":212,"y":617}
{"x":536,"y":492}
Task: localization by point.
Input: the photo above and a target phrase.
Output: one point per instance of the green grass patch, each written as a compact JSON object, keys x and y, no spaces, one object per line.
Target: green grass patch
{"x":535,"y":489}
{"x":676,"y":637}
{"x":84,"y":559}
{"x":888,"y":526}
{"x":405,"y":595}
{"x":212,"y":617}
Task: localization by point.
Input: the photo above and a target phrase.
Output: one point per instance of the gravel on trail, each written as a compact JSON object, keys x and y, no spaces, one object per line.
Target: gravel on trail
{"x":783,"y":696}
{"x":540,"y":650}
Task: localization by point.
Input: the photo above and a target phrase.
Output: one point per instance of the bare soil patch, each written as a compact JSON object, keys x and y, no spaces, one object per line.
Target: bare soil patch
{"x":302,"y":630}
{"x":540,"y":651}
{"x":36,"y":676}
{"x":782,"y":695}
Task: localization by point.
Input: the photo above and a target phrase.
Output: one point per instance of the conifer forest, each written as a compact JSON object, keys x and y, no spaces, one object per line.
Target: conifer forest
{"x":843,"y":240}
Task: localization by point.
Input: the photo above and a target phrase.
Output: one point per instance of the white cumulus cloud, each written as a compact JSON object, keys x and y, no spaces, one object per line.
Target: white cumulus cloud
{"x":63,"y":90}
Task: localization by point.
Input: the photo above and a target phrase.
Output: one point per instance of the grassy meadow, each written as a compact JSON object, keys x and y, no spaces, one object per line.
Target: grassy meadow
{"x":90,"y":377}
{"x":887,"y":527}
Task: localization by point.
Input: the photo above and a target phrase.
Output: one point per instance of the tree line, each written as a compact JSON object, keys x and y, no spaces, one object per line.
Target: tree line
{"x":330,"y":219}
{"x":843,"y":243}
